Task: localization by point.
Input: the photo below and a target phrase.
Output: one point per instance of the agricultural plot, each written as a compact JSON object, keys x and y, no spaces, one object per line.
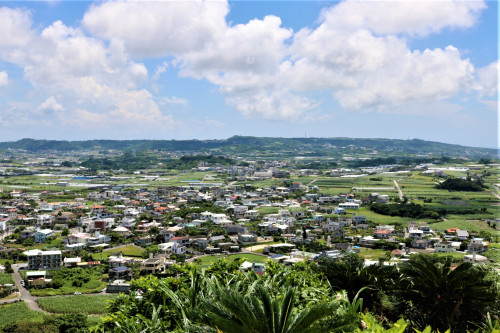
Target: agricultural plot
{"x":208,"y":260}
{"x":382,"y":219}
{"x":457,"y":221}
{"x":127,"y":251}
{"x":372,"y":254}
{"x":90,"y":304}
{"x":85,"y":281}
{"x":6,"y":278}
{"x":362,"y":185}
{"x":16,"y":312}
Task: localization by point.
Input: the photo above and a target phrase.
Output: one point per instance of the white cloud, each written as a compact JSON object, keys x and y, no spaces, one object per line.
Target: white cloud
{"x":15,"y":25}
{"x":97,"y":82}
{"x":160,"y":70}
{"x":275,"y":104}
{"x":358,"y":53}
{"x":4,"y":78}
{"x":51,"y":105}
{"x":488,"y":83}
{"x":412,"y":17}
{"x":158,"y":28}
{"x":173,"y":100}
{"x":364,"y":70}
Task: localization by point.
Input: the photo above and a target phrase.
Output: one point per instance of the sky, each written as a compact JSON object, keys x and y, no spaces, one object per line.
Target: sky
{"x":74,"y":70}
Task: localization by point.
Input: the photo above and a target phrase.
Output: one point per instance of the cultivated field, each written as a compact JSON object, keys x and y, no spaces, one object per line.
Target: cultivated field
{"x":91,"y":304}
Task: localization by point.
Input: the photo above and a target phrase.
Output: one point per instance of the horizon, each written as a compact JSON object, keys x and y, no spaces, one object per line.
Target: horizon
{"x":251,"y":136}
{"x":357,"y":69}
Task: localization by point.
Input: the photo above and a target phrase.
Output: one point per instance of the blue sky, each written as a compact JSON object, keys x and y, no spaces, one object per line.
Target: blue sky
{"x":212,"y":69}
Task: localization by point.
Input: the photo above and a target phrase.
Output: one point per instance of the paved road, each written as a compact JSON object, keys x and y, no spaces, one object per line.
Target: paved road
{"x":24,"y":293}
{"x":399,"y":190}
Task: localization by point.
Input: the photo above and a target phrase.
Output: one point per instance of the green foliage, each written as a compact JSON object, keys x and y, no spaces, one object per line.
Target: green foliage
{"x":68,"y":280}
{"x":76,"y":304}
{"x":247,"y":144}
{"x":225,"y":298}
{"x":6,"y":278}
{"x":457,"y":184}
{"x":404,"y":210}
{"x":17,"y":312}
{"x":8,"y":268}
{"x":373,"y":326}
{"x":257,"y":311}
{"x":443,"y":298}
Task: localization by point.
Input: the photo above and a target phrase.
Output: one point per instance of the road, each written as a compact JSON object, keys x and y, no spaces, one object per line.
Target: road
{"x":399,"y":190}
{"x":24,"y":293}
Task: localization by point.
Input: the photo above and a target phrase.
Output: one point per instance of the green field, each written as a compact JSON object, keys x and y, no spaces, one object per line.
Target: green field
{"x":127,"y":251}
{"x":456,"y":221}
{"x":372,"y":254}
{"x":83,"y":280}
{"x":208,"y":260}
{"x":17,"y":312}
{"x":6,"y":278}
{"x":91,"y":304}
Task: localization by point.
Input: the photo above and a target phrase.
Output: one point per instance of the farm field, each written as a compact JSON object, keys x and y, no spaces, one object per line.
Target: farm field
{"x":127,"y":251}
{"x":17,"y":312}
{"x":372,"y":254}
{"x":91,"y":304}
{"x":6,"y":278}
{"x":456,"y":221}
{"x":85,"y":281}
{"x":208,"y":260}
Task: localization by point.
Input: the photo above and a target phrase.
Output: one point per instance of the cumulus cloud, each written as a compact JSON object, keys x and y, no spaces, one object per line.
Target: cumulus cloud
{"x":488,"y":79}
{"x":364,"y":70}
{"x":158,"y":28}
{"x":98,"y":80}
{"x":4,"y":78}
{"x":358,"y":53}
{"x":15,"y":25}
{"x":51,"y":105}
{"x":403,"y":16}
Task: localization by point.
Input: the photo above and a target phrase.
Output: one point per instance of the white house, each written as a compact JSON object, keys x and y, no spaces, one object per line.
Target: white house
{"x":44,"y":219}
{"x":444,"y":247}
{"x":349,"y":205}
{"x":42,"y":235}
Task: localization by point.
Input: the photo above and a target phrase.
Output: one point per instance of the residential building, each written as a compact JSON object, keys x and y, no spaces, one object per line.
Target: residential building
{"x":120,"y":273}
{"x":38,"y":259}
{"x":444,"y":247}
{"x":42,"y":235}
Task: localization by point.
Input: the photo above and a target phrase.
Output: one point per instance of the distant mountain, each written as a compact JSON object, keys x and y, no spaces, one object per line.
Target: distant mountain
{"x":263,"y":145}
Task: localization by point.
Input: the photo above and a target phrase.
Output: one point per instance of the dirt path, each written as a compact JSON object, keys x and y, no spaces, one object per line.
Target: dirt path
{"x":399,"y":190}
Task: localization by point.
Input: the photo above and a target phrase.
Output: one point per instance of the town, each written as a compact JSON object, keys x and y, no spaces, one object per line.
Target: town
{"x":68,"y":230}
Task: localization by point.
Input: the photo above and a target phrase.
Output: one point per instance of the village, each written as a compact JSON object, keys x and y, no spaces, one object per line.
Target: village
{"x":119,"y":230}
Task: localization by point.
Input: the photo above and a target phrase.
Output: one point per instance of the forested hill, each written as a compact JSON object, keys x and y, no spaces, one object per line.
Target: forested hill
{"x":246,"y":144}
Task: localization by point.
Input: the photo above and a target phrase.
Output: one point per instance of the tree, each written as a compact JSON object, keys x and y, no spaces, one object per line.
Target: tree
{"x":65,"y":232}
{"x":8,"y":267}
{"x":442,"y":297}
{"x":258,"y":312}
{"x":374,"y":282}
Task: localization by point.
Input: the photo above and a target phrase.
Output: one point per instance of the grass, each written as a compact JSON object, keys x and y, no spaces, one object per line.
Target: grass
{"x":127,"y":251}
{"x":11,"y":296}
{"x":470,"y":225}
{"x":17,"y":312}
{"x":493,"y":254}
{"x":94,"y":284}
{"x":91,"y":304}
{"x":455,"y":257}
{"x":372,"y":254}
{"x":6,"y":278}
{"x":208,"y":260}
